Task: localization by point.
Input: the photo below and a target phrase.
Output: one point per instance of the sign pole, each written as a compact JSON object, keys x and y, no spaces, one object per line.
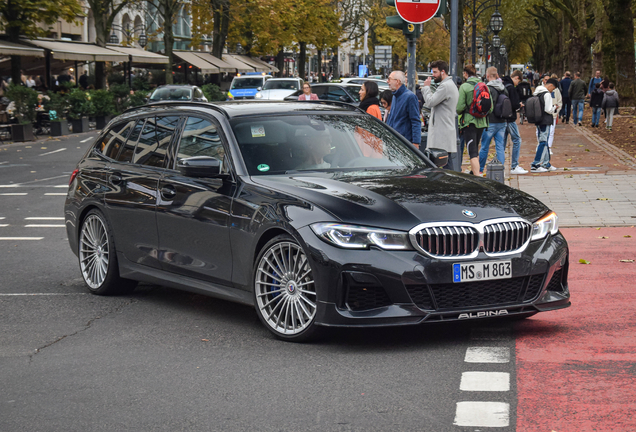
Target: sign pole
{"x":410,"y":65}
{"x":453,"y":43}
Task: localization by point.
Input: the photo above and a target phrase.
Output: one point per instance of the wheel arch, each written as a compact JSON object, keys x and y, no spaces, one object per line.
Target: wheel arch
{"x":267,"y":236}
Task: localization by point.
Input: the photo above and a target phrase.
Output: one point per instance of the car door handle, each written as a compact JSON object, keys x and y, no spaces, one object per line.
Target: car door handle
{"x":115,"y":179}
{"x":168,"y":192}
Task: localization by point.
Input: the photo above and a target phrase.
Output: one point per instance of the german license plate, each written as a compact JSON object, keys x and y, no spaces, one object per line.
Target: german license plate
{"x":479,"y":271}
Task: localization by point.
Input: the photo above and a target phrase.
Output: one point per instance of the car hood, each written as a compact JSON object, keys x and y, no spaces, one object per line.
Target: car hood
{"x":402,"y":201}
{"x":279,"y":94}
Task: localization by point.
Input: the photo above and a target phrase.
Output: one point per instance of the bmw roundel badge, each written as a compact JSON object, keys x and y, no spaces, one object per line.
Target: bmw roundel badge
{"x":468,"y":213}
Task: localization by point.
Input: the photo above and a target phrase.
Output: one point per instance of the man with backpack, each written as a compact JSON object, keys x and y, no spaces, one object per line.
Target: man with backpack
{"x":497,"y":119}
{"x":510,"y":83}
{"x":473,"y":106}
{"x":540,"y":110}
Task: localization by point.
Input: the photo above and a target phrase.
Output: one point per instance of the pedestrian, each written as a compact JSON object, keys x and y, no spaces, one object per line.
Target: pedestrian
{"x":442,"y":130}
{"x":83,"y":80}
{"x":577,"y":96}
{"x":385,"y":101}
{"x":420,"y":96}
{"x":536,"y":77}
{"x":30,"y":81}
{"x":404,"y":116}
{"x":510,"y":83}
{"x":497,"y":125}
{"x":610,"y":105}
{"x":471,"y":126}
{"x":557,"y":103}
{"x":369,"y":102}
{"x":596,"y":102}
{"x":566,"y":109}
{"x":541,"y":161}
{"x":595,"y":79}
{"x":307,"y":94}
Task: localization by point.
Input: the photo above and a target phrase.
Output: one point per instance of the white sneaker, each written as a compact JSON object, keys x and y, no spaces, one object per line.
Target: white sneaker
{"x":518,"y":170}
{"x":552,"y":168}
{"x":539,"y":170}
{"x":551,"y":151}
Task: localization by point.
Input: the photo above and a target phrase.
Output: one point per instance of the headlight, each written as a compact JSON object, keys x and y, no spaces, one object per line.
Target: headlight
{"x":357,"y":237}
{"x":547,"y":224}
{"x":259,"y":96}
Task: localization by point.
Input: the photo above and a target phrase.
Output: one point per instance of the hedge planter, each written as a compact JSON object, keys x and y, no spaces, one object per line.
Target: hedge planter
{"x":80,"y":125}
{"x":59,"y":128}
{"x":22,"y":132}
{"x":102,"y":121}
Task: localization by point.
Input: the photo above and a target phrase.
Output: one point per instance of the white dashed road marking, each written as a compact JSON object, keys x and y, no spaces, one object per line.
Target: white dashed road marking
{"x":87,"y":139}
{"x":20,"y":238}
{"x":42,"y":218}
{"x":51,"y":152}
{"x":16,"y":194}
{"x":482,"y":414}
{"x":40,"y":294}
{"x":44,"y":226}
{"x":485,"y":381}
{"x":487,"y":355}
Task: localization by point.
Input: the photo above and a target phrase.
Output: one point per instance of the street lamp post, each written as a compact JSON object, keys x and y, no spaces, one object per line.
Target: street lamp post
{"x":479,"y":7}
{"x":142,"y":40}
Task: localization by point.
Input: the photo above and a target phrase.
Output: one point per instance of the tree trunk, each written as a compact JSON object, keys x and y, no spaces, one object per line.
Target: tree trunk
{"x":319,"y":54}
{"x":461,"y":48}
{"x":621,"y":24}
{"x":302,"y":59}
{"x":336,"y":65}
{"x":101,"y":33}
{"x":280,"y":62}
{"x":220,"y":29}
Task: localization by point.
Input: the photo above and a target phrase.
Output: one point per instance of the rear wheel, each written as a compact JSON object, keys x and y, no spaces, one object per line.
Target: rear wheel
{"x":98,"y":257}
{"x":285,"y":290}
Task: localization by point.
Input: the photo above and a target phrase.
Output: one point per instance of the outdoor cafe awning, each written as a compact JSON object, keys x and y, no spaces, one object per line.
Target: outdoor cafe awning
{"x":196,"y":61}
{"x":223,"y":67}
{"x":237,"y":65}
{"x":140,"y":56}
{"x":9,"y":48}
{"x":248,"y":61}
{"x":267,"y":65}
{"x":79,"y":51}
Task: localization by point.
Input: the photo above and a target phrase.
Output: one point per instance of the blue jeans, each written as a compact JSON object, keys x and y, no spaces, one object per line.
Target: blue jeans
{"x":596,"y":115}
{"x":513,"y":131}
{"x":542,"y":158}
{"x":496,"y":130}
{"x":577,"y":110}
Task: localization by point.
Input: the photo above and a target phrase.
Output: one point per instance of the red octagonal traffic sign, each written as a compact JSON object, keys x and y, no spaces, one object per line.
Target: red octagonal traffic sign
{"x":417,"y":11}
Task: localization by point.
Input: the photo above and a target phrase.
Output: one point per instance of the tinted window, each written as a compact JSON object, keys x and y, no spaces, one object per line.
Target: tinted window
{"x":154,"y":140}
{"x":111,"y":142}
{"x":126,"y":154}
{"x":247,"y":83}
{"x":281,"y":85}
{"x":200,"y":138}
{"x":173,"y":93}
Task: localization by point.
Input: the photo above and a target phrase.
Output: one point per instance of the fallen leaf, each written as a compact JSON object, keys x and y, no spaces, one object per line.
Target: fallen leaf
{"x":627,"y":236}
{"x":205,"y":340}
{"x":587,"y":150}
{"x":566,"y":169}
{"x":569,"y":160}
{"x":603,"y":199}
{"x":580,"y":145}
{"x":598,"y":228}
{"x":603,"y":237}
{"x":582,"y":261}
{"x":626,"y":261}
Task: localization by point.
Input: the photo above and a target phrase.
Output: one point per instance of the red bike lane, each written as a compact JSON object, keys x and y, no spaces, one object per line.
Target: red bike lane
{"x":576,"y":368}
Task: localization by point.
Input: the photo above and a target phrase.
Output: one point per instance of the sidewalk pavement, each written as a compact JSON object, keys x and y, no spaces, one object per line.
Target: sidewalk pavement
{"x":595,"y":184}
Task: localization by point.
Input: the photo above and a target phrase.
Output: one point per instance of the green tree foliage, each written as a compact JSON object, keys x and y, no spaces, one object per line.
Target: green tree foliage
{"x":25,"y":100}
{"x":168,"y":12}
{"x":21,"y":18}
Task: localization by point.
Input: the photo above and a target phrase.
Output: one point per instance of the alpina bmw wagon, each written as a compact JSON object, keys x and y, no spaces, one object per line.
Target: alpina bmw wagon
{"x":316,"y":214}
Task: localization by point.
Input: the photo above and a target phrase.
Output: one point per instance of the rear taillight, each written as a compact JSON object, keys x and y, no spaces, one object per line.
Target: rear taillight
{"x":73,"y":175}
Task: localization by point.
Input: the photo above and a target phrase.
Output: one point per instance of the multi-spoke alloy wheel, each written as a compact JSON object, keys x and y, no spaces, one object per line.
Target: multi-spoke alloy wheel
{"x":98,"y":258}
{"x":94,"y":251}
{"x":285,"y":290}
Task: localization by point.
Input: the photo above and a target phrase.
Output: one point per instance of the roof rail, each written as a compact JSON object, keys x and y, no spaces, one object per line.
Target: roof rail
{"x":169,"y":102}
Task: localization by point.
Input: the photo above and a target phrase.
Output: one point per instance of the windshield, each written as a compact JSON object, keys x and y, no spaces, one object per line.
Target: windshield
{"x":246,"y":83}
{"x":281,"y":85}
{"x":171,"y":94}
{"x":323,"y":142}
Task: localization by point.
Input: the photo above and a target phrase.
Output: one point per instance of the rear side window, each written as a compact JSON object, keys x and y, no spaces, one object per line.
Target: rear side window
{"x":126,"y":154}
{"x":112,"y":141}
{"x":201,"y":138}
{"x":154,"y":140}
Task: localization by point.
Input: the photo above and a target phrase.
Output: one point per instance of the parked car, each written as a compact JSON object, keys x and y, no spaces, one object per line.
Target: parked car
{"x":338,"y":92}
{"x":177,"y":92}
{"x":316,"y":214}
{"x":246,"y":86}
{"x":382,"y":84}
{"x":278,"y":88}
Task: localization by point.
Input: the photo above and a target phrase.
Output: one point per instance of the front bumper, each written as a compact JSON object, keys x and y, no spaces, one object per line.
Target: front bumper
{"x":386,"y":288}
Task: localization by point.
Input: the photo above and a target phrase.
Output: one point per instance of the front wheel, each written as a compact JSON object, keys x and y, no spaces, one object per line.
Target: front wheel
{"x":285,"y":290}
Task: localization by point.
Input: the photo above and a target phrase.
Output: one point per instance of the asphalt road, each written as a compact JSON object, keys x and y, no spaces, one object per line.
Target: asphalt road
{"x":162,"y":359}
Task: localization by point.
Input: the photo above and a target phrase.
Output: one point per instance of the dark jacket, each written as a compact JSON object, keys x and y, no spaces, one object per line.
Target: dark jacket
{"x":596,"y":99}
{"x":404,"y":116}
{"x":593,"y":83}
{"x":610,"y":100}
{"x":513,"y":95}
{"x":420,"y":97}
{"x":565,"y":85}
{"x":577,"y":90}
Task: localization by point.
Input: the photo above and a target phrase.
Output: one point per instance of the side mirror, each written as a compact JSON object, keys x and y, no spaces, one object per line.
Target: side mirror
{"x":200,"y":166}
{"x":438,"y":156}
{"x":259,"y":88}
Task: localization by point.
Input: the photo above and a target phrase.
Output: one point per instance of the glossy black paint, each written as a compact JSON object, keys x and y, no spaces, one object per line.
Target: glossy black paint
{"x":203,"y":234}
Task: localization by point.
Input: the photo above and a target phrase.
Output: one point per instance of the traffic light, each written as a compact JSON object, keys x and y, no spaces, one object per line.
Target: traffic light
{"x":408,"y":29}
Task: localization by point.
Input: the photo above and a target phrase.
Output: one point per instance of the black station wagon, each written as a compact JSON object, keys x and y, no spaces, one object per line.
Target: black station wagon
{"x":317,"y":214}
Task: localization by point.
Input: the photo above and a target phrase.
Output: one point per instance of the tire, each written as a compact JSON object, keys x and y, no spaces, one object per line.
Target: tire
{"x":285,"y":291}
{"x":98,"y":257}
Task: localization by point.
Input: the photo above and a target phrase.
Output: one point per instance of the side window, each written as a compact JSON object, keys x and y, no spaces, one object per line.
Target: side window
{"x":112,"y":141}
{"x":335,"y":93}
{"x":126,"y":154}
{"x":320,"y":91}
{"x":201,"y":138}
{"x":154,"y":140}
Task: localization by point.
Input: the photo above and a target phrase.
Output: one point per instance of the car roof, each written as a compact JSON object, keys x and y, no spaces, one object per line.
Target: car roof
{"x":235,"y":109}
